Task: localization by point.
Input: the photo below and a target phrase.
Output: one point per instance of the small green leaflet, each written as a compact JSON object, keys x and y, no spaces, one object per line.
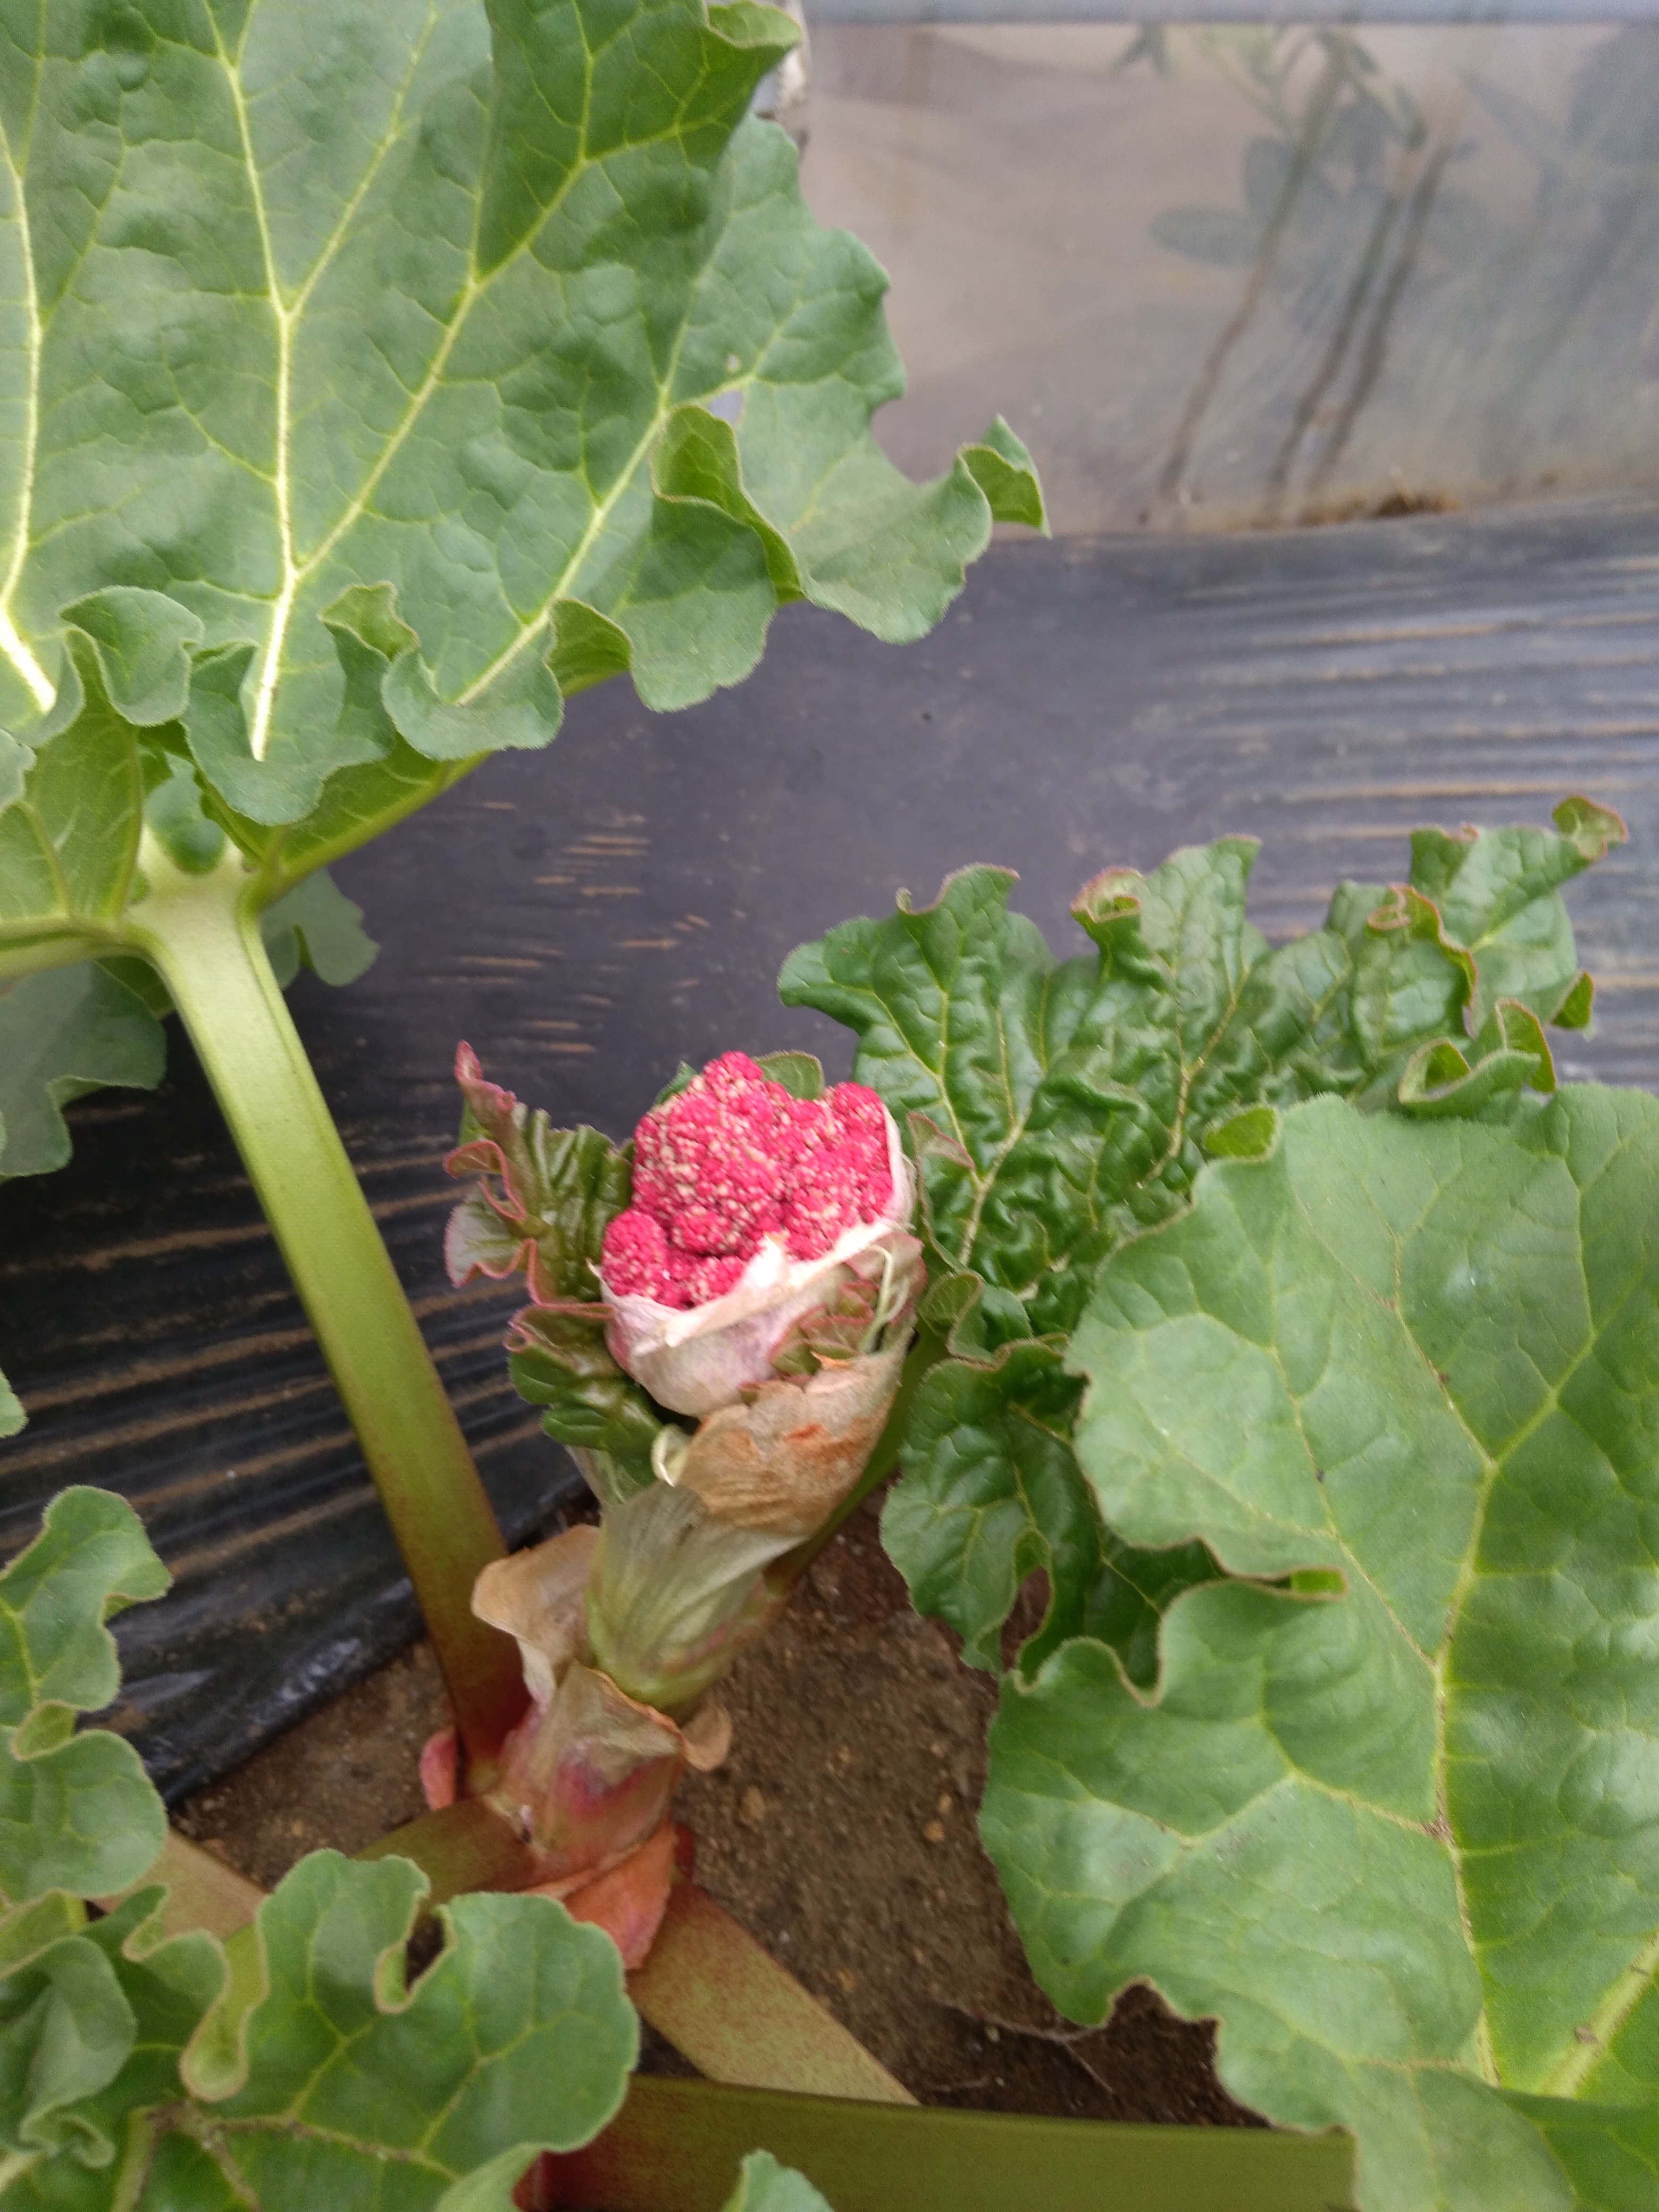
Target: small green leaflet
{"x":1386,"y":1809}
{"x":302,"y":2068}
{"x":763,"y":2185}
{"x":61,"y":1034}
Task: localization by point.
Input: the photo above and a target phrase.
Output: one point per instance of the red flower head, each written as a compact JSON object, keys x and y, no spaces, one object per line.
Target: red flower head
{"x":745,"y":1201}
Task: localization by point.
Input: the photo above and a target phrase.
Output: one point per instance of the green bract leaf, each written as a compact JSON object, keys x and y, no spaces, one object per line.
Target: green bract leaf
{"x":540,"y":1208}
{"x":329,"y":2080}
{"x":560,"y":1362}
{"x":76,"y":1812}
{"x":1386,"y":1811}
{"x":763,"y":2185}
{"x":545,"y":1197}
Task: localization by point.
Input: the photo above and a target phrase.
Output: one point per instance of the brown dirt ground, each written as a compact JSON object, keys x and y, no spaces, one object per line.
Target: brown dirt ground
{"x":840,"y":1832}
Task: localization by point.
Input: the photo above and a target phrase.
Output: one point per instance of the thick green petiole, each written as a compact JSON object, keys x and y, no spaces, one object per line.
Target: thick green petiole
{"x":201,"y":933}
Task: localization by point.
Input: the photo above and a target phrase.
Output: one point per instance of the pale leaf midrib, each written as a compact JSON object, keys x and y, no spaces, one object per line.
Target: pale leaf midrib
{"x":12,"y":643}
{"x":473,"y":290}
{"x":288,"y":314}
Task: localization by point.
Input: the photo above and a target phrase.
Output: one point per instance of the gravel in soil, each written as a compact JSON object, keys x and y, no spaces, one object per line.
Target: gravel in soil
{"x":840,"y":1832}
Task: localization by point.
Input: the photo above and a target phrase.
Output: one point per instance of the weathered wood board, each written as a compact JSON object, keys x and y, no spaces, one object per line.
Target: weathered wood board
{"x":589,"y":917}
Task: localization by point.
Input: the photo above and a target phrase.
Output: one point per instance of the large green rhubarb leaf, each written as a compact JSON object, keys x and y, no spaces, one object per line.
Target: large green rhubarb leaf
{"x":1055,"y":1108}
{"x":404,"y":320}
{"x":1387,"y":1808}
{"x":374,"y":375}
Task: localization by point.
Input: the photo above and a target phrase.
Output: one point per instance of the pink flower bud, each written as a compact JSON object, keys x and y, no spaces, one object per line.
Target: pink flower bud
{"x":747,"y":1202}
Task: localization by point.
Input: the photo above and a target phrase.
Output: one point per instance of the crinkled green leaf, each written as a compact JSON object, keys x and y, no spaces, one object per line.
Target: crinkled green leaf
{"x":76,"y":1812}
{"x":65,"y":2032}
{"x":1055,"y":1108}
{"x":1387,"y":1813}
{"x":559,"y":1361}
{"x":61,"y":1034}
{"x":92,"y":2022}
{"x":763,"y":2185}
{"x":151,"y":2071}
{"x":992,"y":1492}
{"x":331,"y":2081}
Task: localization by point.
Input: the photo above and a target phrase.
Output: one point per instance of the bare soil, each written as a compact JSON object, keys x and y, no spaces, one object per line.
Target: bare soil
{"x":841,"y":1832}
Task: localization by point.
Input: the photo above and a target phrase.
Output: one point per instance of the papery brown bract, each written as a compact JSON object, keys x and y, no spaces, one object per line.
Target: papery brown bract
{"x":783,"y":1461}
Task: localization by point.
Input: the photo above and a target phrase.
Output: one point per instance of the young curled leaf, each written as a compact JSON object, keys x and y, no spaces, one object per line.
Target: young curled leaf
{"x":544,"y":1199}
{"x":561,"y":1362}
{"x":1512,"y":1054}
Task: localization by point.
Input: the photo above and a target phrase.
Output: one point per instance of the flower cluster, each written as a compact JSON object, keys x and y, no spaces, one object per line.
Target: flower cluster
{"x":735,"y":1161}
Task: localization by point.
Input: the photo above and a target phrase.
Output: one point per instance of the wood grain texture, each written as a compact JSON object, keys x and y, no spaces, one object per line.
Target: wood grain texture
{"x":589,"y":917}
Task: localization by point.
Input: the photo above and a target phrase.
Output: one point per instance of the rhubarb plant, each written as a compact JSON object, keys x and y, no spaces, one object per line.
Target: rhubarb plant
{"x":375,"y":375}
{"x":720,"y":1312}
{"x":1304,"y":1339}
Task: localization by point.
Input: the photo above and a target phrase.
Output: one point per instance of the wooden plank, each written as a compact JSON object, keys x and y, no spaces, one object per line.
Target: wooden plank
{"x":726,"y":2003}
{"x":589,"y":917}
